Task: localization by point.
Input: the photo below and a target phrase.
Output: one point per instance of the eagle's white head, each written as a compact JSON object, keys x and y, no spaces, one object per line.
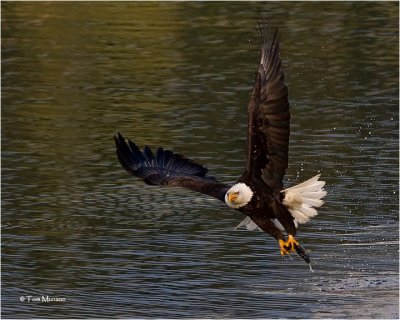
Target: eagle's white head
{"x":238,"y":196}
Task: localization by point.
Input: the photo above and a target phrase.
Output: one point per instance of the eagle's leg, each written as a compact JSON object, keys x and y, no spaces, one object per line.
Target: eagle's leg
{"x":292,"y":245}
{"x":288,"y":246}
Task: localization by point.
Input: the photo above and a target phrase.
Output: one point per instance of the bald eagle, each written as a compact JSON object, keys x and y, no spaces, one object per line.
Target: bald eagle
{"x":259,"y":192}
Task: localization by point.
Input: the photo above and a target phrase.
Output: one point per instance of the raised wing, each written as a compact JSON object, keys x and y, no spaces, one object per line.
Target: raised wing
{"x":166,"y":168}
{"x":269,"y":116}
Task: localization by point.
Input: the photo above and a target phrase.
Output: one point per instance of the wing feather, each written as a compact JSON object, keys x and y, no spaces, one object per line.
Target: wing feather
{"x":269,"y":116}
{"x":167,"y":169}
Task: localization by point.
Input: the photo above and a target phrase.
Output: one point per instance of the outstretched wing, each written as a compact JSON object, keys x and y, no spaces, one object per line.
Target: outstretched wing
{"x":166,"y":168}
{"x":269,"y":116}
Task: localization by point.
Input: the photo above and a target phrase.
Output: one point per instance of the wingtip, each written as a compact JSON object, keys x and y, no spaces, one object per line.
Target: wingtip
{"x":266,"y":28}
{"x":116,"y":139}
{"x":117,"y":136}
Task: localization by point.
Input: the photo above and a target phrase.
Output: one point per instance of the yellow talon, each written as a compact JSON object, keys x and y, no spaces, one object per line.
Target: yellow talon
{"x":290,"y":245}
{"x":282,"y":245}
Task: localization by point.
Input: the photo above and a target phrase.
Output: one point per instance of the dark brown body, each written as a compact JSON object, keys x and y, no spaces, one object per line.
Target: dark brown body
{"x":265,"y":206}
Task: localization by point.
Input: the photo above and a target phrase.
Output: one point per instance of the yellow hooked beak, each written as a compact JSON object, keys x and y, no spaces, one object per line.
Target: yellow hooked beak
{"x":232,"y":197}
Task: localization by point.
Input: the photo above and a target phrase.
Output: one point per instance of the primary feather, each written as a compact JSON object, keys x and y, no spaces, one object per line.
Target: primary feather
{"x":154,"y":169}
{"x":269,"y":115}
{"x":167,"y":168}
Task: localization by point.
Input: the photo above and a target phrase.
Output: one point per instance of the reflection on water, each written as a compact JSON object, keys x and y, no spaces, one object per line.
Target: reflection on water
{"x":75,"y":225}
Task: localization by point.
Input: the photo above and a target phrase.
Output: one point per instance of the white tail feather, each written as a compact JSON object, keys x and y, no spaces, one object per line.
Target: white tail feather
{"x":313,"y":195}
{"x":301,"y":199}
{"x":314,"y":202}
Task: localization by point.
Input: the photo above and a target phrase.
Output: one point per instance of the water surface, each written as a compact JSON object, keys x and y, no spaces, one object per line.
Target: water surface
{"x":179,"y":75}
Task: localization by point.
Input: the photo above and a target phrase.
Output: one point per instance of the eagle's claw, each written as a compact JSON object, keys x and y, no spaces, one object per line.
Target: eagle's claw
{"x":288,"y":246}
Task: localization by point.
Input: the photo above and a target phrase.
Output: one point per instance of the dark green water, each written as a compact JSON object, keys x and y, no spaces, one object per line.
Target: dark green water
{"x":76,"y":226}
